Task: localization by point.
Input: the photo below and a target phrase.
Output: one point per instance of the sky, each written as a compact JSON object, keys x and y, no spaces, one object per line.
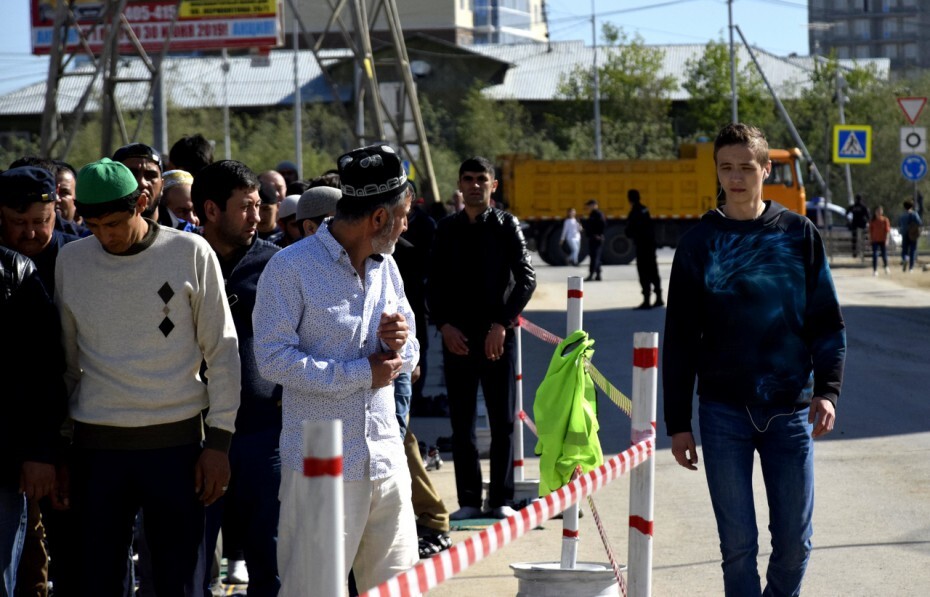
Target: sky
{"x":778,"y":26}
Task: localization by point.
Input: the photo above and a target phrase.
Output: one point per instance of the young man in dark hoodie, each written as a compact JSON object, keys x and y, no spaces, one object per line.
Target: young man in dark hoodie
{"x":226,"y":200}
{"x":753,"y":314}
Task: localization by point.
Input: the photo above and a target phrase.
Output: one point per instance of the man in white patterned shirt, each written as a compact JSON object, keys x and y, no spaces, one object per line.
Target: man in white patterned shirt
{"x":335,"y":329}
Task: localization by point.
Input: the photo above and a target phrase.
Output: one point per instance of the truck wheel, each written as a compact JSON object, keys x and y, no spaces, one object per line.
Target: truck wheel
{"x":618,"y":249}
{"x":554,"y":253}
{"x":542,"y":244}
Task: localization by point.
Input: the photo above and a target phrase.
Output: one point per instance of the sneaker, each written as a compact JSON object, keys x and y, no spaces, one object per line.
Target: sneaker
{"x":433,"y":461}
{"x":643,"y":306}
{"x":432,"y":542}
{"x":237,"y":573}
{"x":659,"y":302}
{"x":590,"y":278}
{"x":465,"y":513}
{"x":874,"y":272}
{"x":887,"y":271}
{"x":502,"y":512}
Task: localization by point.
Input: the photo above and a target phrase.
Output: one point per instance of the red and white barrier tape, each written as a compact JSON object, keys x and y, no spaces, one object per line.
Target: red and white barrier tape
{"x":544,"y":335}
{"x":429,"y":573}
{"x":528,"y":422}
{"x":611,"y":556}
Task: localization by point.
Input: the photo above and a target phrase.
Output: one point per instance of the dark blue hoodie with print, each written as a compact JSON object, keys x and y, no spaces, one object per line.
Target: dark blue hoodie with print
{"x":753,"y":314}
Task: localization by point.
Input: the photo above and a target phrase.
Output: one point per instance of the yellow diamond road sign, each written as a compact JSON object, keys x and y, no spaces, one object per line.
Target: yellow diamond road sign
{"x":852,"y":144}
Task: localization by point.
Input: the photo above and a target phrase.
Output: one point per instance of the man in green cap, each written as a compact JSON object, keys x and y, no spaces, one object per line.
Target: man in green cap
{"x":142,"y":307}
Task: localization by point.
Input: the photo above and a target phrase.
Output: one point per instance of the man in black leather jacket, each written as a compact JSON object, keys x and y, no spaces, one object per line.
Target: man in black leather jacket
{"x":480,"y":279}
{"x":33,"y":404}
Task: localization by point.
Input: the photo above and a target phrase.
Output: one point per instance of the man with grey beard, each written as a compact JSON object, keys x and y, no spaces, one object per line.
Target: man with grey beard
{"x":335,"y":330}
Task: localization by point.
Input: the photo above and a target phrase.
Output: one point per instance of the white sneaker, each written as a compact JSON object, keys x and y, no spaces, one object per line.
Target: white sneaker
{"x":874,"y":272}
{"x":887,"y":271}
{"x":237,"y":573}
{"x":502,"y":512}
{"x":465,"y":513}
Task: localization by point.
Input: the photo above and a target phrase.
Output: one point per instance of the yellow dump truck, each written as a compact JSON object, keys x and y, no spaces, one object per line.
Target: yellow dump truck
{"x":677,"y":193}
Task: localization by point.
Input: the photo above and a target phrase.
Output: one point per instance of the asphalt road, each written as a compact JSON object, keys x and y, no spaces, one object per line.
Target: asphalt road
{"x":872,"y":516}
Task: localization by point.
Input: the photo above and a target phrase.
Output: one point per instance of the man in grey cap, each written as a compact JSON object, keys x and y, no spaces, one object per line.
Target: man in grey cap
{"x":314,"y":206}
{"x":335,"y":330}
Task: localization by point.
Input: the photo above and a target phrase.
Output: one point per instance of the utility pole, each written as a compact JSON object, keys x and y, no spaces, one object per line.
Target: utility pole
{"x":298,"y":108}
{"x":355,"y":19}
{"x":598,"y":151}
{"x":784,"y":114}
{"x":841,"y":103}
{"x":734,"y":94}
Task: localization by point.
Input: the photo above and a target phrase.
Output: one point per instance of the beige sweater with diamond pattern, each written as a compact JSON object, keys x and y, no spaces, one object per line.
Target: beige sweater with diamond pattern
{"x":136,"y":328}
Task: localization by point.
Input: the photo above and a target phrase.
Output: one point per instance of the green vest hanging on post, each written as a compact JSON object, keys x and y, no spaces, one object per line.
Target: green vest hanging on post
{"x":566,"y":415}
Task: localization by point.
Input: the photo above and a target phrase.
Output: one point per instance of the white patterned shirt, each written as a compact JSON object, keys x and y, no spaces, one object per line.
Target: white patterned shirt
{"x":315,"y":325}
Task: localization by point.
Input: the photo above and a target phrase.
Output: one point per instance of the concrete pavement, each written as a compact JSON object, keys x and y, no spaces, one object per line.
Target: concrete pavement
{"x":872,"y":516}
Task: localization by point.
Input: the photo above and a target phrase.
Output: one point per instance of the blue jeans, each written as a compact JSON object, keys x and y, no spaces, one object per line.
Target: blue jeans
{"x":403,"y":392}
{"x":908,"y":252}
{"x":252,"y":502}
{"x":782,"y":437}
{"x":12,"y":534}
{"x":879,"y":249}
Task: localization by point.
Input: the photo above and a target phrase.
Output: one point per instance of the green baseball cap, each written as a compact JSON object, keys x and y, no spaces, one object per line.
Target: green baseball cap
{"x":104,"y":181}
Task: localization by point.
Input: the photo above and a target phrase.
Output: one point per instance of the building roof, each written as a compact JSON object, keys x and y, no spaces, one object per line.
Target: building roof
{"x":533,"y":73}
{"x":191,"y":82}
{"x":538,"y":69}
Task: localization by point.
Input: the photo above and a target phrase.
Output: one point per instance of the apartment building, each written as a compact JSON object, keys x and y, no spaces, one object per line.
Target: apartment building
{"x":462,"y":22}
{"x":895,"y":29}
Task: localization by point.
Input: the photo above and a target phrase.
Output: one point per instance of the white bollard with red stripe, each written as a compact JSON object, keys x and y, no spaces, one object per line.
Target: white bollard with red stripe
{"x":642,"y":479}
{"x":574,"y":317}
{"x":324,"y":493}
{"x":519,"y":473}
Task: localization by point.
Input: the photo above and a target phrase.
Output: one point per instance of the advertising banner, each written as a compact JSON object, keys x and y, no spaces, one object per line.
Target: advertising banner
{"x":201,"y":24}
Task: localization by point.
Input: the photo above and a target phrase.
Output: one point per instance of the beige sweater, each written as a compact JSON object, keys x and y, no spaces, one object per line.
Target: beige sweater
{"x":136,"y":328}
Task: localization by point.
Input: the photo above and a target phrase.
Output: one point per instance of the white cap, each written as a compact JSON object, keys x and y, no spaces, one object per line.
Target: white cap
{"x":288,"y":207}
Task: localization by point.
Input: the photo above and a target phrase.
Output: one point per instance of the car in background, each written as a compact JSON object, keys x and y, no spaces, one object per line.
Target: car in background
{"x":833,"y":222}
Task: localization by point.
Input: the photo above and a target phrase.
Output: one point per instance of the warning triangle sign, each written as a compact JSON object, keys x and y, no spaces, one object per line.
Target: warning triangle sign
{"x":912,"y":107}
{"x":852,"y":147}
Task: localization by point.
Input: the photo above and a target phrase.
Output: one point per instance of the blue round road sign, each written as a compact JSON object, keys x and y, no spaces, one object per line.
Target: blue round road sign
{"x":914,"y":167}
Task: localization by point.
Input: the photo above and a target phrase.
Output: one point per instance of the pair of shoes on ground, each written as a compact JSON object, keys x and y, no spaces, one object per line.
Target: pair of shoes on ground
{"x":593,"y":278}
{"x":470,"y":512}
{"x":432,"y":541}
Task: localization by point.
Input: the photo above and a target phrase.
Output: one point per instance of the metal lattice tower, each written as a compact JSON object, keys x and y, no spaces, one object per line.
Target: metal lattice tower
{"x":353,"y":19}
{"x":370,"y":119}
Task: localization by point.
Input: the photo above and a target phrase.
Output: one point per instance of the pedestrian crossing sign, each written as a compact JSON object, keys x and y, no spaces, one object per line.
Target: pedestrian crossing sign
{"x":852,"y":144}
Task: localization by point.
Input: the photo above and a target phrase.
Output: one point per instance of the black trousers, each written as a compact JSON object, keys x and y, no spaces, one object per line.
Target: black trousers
{"x":108,"y":488}
{"x":463,"y":374}
{"x":595,"y":249}
{"x":648,"y":271}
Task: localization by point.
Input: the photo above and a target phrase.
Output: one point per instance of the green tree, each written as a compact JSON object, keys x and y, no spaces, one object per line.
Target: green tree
{"x":708,"y":85}
{"x":634,"y":101}
{"x":492,"y":128}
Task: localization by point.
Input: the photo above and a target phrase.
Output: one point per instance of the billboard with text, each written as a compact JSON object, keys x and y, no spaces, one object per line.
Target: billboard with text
{"x":200,"y":24}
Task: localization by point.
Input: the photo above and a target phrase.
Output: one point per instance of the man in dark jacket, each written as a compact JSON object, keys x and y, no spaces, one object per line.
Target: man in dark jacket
{"x":225,"y":196}
{"x":594,"y":228}
{"x":754,"y":317}
{"x":27,"y":219}
{"x":480,"y":279}
{"x":640,"y":230}
{"x":33,"y":404}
